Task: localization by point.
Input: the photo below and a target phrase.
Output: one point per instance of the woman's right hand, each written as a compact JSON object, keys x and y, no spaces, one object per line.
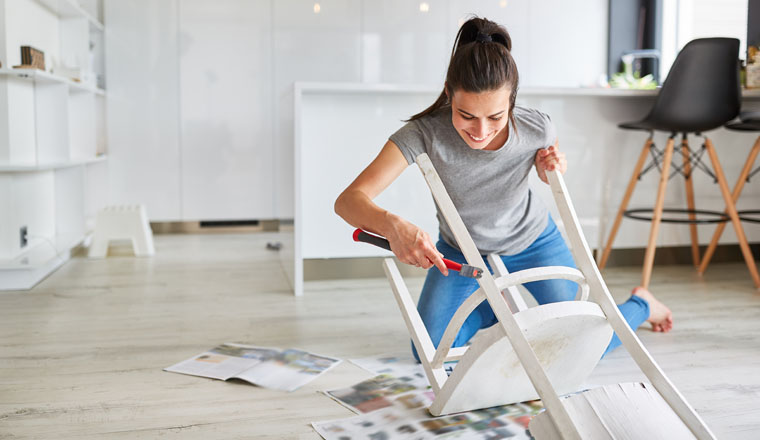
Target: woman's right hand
{"x":414,"y":246}
{"x":411,"y":244}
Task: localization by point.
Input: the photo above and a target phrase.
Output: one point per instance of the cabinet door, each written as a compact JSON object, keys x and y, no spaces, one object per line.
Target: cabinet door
{"x":142,"y":112}
{"x":225,"y":105}
{"x":313,"y":41}
{"x":405,"y":42}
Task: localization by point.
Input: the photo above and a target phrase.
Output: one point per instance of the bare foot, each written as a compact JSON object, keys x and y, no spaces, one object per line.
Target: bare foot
{"x":659,"y":314}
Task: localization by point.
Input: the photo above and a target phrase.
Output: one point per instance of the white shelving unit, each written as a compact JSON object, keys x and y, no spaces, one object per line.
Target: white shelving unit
{"x":53,"y":162}
{"x":43,"y":77}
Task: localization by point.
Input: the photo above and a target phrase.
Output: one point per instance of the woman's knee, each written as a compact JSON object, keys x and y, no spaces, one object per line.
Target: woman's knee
{"x":551,"y":291}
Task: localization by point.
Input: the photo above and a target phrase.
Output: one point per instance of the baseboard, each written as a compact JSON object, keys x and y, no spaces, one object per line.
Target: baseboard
{"x":211,"y":227}
{"x":671,"y":255}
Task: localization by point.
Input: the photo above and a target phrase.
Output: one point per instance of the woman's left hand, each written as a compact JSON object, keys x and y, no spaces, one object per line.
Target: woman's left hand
{"x":550,"y":159}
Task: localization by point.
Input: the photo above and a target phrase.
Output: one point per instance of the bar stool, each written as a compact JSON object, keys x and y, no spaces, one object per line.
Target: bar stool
{"x":701,"y":93}
{"x":747,"y":122}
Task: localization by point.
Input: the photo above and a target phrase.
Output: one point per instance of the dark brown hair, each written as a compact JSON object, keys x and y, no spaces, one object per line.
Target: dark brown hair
{"x":480,"y":61}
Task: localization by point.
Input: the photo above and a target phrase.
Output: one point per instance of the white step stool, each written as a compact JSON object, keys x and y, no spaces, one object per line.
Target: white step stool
{"x":123,"y":222}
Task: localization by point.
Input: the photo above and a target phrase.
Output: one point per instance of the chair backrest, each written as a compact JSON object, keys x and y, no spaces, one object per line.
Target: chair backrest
{"x":702,"y":91}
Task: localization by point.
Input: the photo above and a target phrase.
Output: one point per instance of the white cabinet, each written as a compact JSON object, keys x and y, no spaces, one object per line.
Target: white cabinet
{"x":310,"y":44}
{"x":52,"y":153}
{"x":405,"y":42}
{"x":201,"y":91}
{"x":142,"y":67}
{"x":567,"y":43}
{"x":226,"y":110}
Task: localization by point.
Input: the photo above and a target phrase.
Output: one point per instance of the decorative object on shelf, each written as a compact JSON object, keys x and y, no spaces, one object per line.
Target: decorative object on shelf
{"x":628,"y":79}
{"x":124,"y":222}
{"x":752,"y":71}
{"x":31,"y":58}
{"x":76,"y":74}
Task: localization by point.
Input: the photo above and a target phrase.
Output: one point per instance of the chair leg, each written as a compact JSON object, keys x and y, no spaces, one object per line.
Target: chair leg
{"x":731,"y":211}
{"x":657,"y":214}
{"x":735,"y":197}
{"x":690,"y":201}
{"x":417,"y":329}
{"x":624,"y":202}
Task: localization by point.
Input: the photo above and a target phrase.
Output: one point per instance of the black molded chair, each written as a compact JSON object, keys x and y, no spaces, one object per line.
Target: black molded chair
{"x":747,"y":122}
{"x":701,"y":93}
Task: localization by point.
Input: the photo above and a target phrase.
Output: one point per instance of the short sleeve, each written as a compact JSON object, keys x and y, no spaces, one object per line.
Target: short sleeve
{"x":550,"y":131}
{"x":410,"y":140}
{"x":534,"y":128}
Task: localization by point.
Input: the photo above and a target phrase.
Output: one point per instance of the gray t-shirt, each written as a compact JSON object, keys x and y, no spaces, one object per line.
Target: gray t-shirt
{"x":489,"y":188}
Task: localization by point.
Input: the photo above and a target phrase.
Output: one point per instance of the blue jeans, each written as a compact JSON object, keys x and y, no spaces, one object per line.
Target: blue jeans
{"x":442,"y":295}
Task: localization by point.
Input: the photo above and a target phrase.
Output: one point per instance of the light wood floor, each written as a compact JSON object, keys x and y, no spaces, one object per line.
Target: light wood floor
{"x":81,"y":355}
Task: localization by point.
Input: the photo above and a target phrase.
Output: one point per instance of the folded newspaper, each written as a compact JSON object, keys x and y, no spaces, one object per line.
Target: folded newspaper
{"x":267,"y":367}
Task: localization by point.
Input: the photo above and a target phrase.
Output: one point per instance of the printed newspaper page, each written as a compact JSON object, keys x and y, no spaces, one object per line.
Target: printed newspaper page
{"x":383,"y":391}
{"x":395,"y":422}
{"x":289,"y":370}
{"x":393,"y":405}
{"x":268,"y":367}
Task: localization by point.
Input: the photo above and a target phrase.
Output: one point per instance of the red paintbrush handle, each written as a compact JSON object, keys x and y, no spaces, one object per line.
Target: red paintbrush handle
{"x":453,"y":265}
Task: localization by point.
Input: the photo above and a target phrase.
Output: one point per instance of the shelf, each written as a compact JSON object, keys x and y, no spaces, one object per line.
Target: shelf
{"x":70,"y":9}
{"x":304,"y":87}
{"x":50,"y":166}
{"x":39,"y":260}
{"x":53,"y":165}
{"x":42,"y":76}
{"x":40,"y":251}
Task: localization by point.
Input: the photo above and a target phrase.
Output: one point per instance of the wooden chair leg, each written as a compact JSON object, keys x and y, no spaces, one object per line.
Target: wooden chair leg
{"x":657,"y":214}
{"x":735,"y":197}
{"x":624,"y":202}
{"x":731,"y":211}
{"x":690,"y":201}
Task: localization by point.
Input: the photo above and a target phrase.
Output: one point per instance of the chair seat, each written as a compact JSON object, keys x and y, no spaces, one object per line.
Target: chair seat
{"x":753,"y":115}
{"x":747,"y":121}
{"x":744,"y":125}
{"x":637,"y":125}
{"x":568,"y":338}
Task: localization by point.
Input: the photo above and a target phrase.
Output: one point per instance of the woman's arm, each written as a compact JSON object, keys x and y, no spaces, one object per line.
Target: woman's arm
{"x":549,"y":159}
{"x":409,"y":243}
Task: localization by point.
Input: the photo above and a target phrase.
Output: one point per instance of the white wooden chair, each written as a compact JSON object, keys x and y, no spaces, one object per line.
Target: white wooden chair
{"x":540,"y":352}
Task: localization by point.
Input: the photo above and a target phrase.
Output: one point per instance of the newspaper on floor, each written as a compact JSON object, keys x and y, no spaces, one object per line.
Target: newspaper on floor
{"x":267,"y":367}
{"x":383,"y":391}
{"x":395,"y":422}
{"x":396,"y":377}
{"x":399,"y":366}
{"x":394,"y":404}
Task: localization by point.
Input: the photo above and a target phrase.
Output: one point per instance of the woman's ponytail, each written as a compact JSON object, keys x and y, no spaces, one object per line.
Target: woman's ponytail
{"x":481,"y":61}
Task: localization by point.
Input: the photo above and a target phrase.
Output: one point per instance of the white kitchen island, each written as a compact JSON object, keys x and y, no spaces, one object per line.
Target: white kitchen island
{"x":340,"y":127}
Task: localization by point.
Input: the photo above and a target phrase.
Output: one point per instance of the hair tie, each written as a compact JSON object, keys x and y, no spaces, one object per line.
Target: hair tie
{"x":483,"y":38}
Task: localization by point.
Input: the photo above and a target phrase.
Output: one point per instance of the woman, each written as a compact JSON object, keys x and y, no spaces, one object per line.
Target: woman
{"x":483,"y":147}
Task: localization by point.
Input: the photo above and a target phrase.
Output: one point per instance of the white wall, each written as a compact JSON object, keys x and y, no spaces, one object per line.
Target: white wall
{"x":202,"y":91}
